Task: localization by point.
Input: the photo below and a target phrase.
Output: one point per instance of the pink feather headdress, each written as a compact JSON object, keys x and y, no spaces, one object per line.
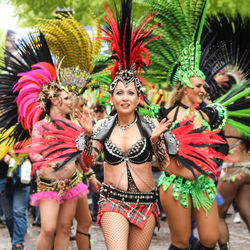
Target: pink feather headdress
{"x":34,"y":88}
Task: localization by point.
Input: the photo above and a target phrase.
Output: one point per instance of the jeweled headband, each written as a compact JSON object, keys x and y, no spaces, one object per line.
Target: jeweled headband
{"x":189,"y":66}
{"x":126,"y":77}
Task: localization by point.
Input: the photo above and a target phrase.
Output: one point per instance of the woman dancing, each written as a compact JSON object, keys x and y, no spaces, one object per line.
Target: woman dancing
{"x":37,"y":92}
{"x":231,"y":34}
{"x":187,"y":187}
{"x":128,"y":211}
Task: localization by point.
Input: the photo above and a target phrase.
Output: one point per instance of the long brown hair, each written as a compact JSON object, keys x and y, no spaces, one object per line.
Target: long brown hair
{"x":176,"y":95}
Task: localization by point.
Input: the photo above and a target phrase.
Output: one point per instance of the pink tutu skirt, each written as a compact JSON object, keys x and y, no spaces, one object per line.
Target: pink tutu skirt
{"x":60,"y":190}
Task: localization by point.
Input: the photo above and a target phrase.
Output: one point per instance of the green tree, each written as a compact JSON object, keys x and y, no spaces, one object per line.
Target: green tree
{"x":28,"y":11}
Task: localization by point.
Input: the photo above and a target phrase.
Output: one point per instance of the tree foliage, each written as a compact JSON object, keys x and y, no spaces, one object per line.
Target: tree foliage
{"x":229,"y":7}
{"x":29,"y":11}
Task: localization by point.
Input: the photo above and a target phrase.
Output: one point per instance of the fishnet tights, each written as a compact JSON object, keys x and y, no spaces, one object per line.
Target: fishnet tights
{"x":122,"y":235}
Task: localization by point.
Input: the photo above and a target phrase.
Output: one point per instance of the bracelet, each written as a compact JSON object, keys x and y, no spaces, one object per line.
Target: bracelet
{"x":159,"y":150}
{"x":90,"y":174}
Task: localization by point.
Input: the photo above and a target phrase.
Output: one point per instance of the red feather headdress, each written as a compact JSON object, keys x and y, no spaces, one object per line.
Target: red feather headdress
{"x":127,"y":44}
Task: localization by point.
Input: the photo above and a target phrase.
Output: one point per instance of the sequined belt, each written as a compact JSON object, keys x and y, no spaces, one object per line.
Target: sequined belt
{"x":112,"y":193}
{"x":58,"y":185}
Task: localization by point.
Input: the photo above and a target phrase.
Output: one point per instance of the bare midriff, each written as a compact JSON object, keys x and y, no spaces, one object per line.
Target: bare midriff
{"x":64,"y":173}
{"x":112,"y":175}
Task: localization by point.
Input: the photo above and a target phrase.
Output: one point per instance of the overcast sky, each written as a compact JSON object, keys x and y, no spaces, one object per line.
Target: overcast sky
{"x":7,"y":21}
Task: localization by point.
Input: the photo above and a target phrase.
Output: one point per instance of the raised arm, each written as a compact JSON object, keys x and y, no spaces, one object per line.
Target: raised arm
{"x":158,"y":143}
{"x":91,"y":148}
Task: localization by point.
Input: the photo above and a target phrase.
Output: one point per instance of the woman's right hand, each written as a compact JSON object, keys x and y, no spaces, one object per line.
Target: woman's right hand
{"x":85,"y":121}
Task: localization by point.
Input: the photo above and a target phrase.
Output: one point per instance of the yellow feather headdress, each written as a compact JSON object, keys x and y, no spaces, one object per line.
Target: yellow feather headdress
{"x":71,"y":45}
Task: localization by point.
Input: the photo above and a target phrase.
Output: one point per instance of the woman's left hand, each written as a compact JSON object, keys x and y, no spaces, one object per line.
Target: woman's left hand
{"x":160,"y":129}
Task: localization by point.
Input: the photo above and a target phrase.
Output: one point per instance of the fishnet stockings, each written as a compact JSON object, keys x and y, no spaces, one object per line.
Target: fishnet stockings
{"x":140,"y":239}
{"x":120,"y":234}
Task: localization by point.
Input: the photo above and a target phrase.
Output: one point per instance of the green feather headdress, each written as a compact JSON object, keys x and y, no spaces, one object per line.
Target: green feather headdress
{"x":176,"y":55}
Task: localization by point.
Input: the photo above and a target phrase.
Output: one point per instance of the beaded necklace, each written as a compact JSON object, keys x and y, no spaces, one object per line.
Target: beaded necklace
{"x":121,"y":129}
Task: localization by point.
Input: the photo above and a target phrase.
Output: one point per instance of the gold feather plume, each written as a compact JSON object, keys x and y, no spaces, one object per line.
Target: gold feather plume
{"x":70,"y":43}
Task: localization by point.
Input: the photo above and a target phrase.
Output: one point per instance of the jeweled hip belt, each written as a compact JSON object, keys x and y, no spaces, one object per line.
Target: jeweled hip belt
{"x":58,"y":185}
{"x":112,"y":193}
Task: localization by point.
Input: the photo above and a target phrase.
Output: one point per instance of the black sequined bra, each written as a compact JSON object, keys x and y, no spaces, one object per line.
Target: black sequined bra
{"x":139,"y":152}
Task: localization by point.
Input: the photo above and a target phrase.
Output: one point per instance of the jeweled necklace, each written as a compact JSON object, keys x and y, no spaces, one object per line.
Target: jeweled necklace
{"x":121,"y":129}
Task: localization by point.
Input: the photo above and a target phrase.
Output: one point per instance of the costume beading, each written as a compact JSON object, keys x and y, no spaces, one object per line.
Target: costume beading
{"x":35,"y":82}
{"x":136,"y":206}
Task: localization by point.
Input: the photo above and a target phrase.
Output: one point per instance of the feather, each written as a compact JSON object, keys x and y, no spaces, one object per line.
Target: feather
{"x":127,"y":44}
{"x":31,"y":50}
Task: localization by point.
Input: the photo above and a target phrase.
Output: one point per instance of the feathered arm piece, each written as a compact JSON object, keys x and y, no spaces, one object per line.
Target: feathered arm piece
{"x":237,"y":103}
{"x":57,"y":142}
{"x":194,"y":148}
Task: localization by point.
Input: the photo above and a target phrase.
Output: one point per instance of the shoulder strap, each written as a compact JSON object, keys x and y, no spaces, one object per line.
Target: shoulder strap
{"x":145,"y":125}
{"x":104,"y":130}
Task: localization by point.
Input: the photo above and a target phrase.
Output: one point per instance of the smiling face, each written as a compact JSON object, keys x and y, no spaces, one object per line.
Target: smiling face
{"x":197,"y":94}
{"x":125,"y":99}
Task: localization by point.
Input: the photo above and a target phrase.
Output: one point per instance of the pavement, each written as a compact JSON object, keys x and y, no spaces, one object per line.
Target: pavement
{"x":239,"y":237}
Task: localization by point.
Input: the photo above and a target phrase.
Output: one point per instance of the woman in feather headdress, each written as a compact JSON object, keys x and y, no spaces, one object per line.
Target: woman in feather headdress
{"x":37,"y":92}
{"x":187,"y":186}
{"x":128,"y":211}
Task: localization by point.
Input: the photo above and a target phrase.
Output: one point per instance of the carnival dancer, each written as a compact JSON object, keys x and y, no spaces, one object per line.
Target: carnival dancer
{"x":229,"y":54}
{"x":75,"y":71}
{"x":128,"y":211}
{"x":187,"y":187}
{"x":39,"y":92}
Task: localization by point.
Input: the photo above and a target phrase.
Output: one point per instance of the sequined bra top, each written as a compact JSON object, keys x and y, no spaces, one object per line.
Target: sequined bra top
{"x":140,"y":152}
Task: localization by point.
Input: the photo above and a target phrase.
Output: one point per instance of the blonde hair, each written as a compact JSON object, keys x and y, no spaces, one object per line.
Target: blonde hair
{"x":176,"y":95}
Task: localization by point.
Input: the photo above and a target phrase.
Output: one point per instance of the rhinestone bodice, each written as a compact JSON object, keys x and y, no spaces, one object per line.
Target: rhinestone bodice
{"x":139,"y":152}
